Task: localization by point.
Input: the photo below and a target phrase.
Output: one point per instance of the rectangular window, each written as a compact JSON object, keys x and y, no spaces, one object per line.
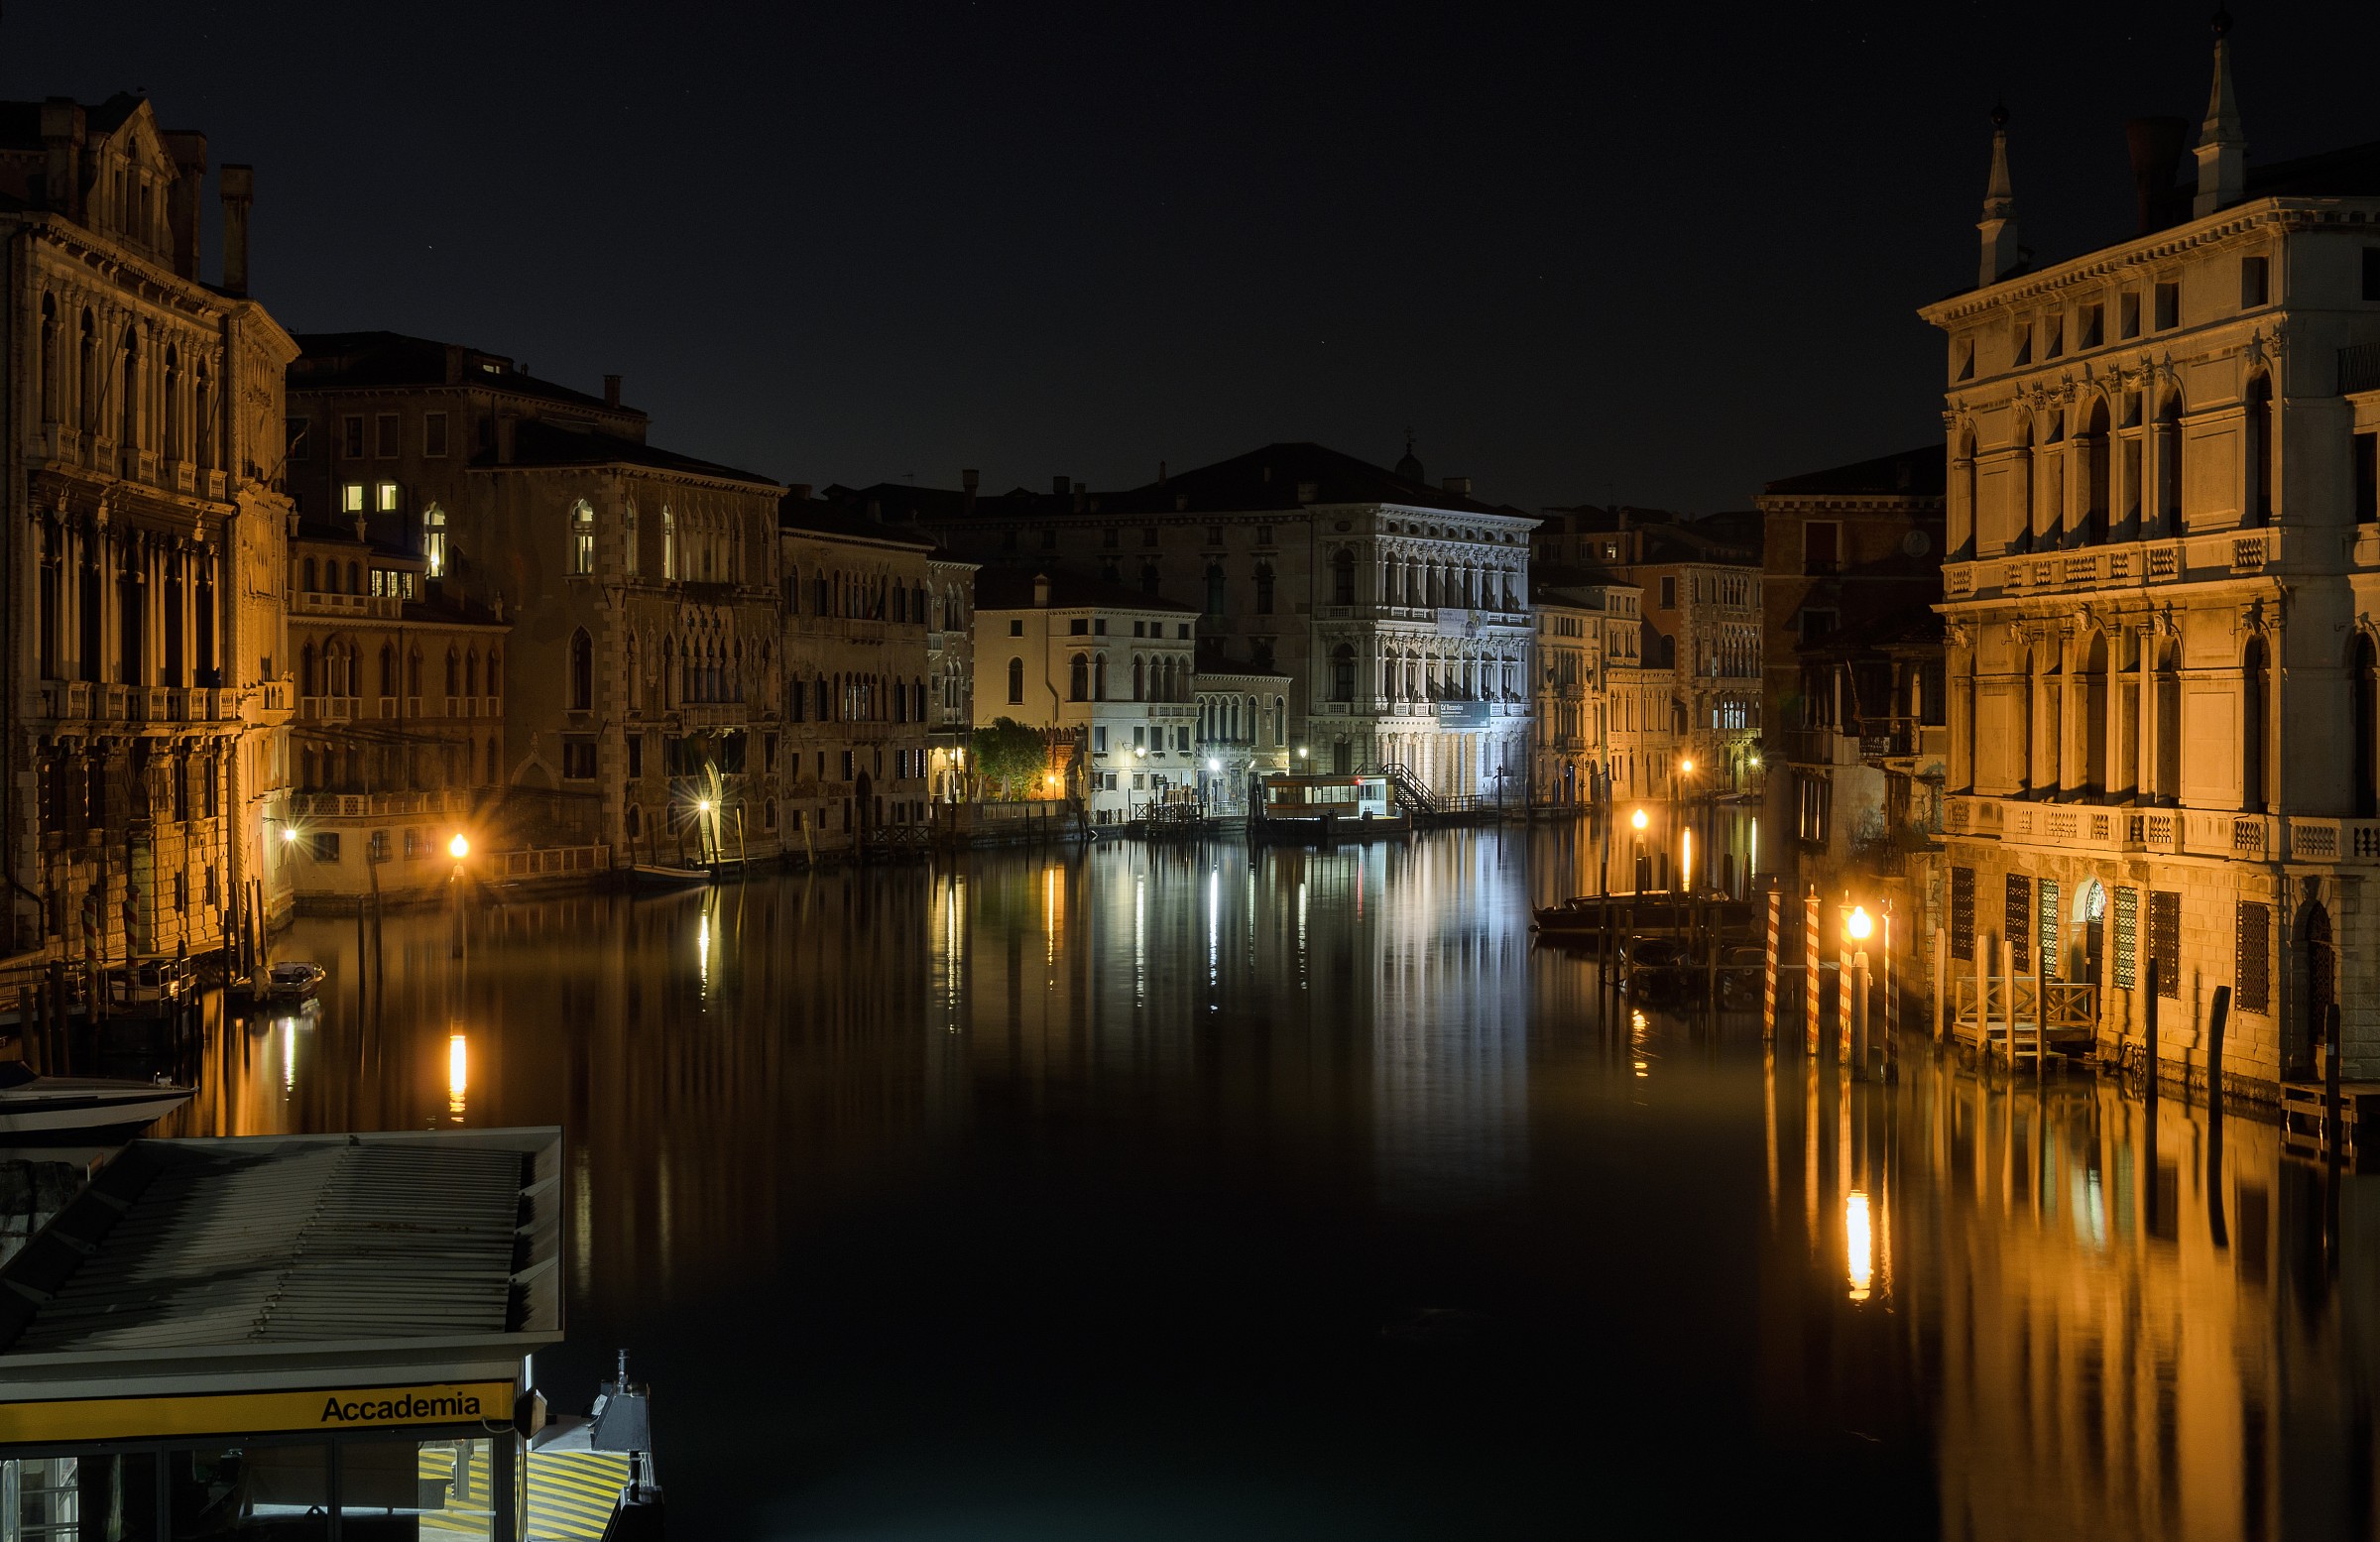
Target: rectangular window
{"x":2091,"y":328}
{"x":413,"y":843}
{"x":433,"y":436}
{"x":2254,"y":964}
{"x":1669,"y":594}
{"x":352,"y":498}
{"x":1817,"y":626}
{"x":2367,"y":478}
{"x":1181,"y":632}
{"x":1264,"y":534}
{"x":847,"y":765}
{"x":386,"y":501}
{"x":1099,"y":628}
{"x":578,"y":758}
{"x":1966,"y":361}
{"x":768,"y":753}
{"x":1080,"y":626}
{"x":351,"y":437}
{"x":2127,"y":316}
{"x":2054,"y":338}
{"x":636,"y":753}
{"x":1821,"y":547}
{"x":326,"y":846}
{"x":2019,"y":922}
{"x":1016,"y":629}
{"x":1098,"y":741}
{"x":1148,"y":535}
{"x":2169,"y":306}
{"x":1050,"y":540}
{"x":1214,"y":534}
{"x":2128,"y":938}
{"x":2255,"y":282}
{"x":1139,"y":736}
{"x":2165,"y":941}
{"x":384,"y":435}
{"x":2024,"y":343}
{"x":1111,"y":536}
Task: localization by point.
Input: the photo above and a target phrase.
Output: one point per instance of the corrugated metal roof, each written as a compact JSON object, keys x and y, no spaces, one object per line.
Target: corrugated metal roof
{"x":265,"y":1243}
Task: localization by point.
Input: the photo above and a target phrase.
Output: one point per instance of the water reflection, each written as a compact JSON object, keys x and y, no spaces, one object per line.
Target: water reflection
{"x":1025,"y":1155}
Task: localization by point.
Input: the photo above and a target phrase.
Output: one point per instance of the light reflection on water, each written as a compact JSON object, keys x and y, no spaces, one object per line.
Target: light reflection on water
{"x":1137,"y":1151}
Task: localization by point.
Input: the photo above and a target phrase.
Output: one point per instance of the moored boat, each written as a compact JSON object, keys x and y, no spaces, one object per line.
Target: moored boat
{"x":45,"y":1109}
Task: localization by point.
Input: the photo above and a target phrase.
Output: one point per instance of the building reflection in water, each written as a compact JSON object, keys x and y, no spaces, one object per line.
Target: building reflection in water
{"x":2103,"y":1315}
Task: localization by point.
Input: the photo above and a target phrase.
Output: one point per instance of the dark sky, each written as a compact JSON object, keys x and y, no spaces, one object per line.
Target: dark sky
{"x":1661,"y":253}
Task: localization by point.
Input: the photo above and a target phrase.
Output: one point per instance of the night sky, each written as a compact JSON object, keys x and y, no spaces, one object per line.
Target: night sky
{"x":1658,"y":253}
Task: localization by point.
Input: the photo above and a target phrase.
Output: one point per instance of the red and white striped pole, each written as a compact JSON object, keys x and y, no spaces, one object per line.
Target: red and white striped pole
{"x":1809,"y":965}
{"x":1768,"y":987}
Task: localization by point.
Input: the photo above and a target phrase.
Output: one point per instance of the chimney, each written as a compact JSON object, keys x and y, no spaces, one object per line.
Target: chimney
{"x":2222,"y":145}
{"x":2000,"y":254}
{"x":1080,"y":488}
{"x":188,"y":148}
{"x":2156,"y":147}
{"x":1042,"y":591}
{"x":454,"y":364}
{"x":800,"y":492}
{"x":969,"y":480}
{"x":62,"y":150}
{"x":1460,"y":486}
{"x":611,"y":391}
{"x":239,"y":192}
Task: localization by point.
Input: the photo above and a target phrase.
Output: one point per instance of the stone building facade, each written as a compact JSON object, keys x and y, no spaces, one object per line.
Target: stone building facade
{"x":1854,"y":550}
{"x":2164,"y":569}
{"x":397,"y":745}
{"x":949,"y":674}
{"x":860,"y":708}
{"x":1568,"y":722}
{"x":145,"y":667}
{"x":641,"y":586}
{"x":1242,"y":738}
{"x":1105,"y":672}
{"x":1397,"y":609}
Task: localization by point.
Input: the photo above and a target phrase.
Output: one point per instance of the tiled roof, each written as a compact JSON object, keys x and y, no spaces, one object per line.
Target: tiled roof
{"x":540,"y":445}
{"x":364,"y":361}
{"x":1917,"y":473}
{"x":286,"y":1242}
{"x":1011,"y":589}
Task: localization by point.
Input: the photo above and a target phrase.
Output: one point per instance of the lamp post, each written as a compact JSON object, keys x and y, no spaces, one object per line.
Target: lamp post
{"x":1857,"y":929}
{"x":458,"y":848}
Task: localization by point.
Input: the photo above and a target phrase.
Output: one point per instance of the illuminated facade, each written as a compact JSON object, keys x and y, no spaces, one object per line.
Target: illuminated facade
{"x":2164,"y":557}
{"x":641,"y":585}
{"x":949,"y":674}
{"x":398,"y":742}
{"x":146,"y":544}
{"x":859,"y":708}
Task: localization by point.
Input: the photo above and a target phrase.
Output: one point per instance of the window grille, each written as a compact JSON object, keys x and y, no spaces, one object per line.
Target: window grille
{"x":2254,"y":963}
{"x":2048,"y":928}
{"x":1962,"y":914}
{"x":2127,"y":932}
{"x":2165,"y":941}
{"x":2020,"y":923}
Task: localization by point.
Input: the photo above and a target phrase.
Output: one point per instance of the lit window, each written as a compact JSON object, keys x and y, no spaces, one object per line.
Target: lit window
{"x":352,"y":498}
{"x":385,"y":500}
{"x":433,"y":540}
{"x":583,"y":538}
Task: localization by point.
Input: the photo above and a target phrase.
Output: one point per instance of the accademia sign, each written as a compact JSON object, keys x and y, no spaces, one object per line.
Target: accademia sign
{"x":256,"y":1413}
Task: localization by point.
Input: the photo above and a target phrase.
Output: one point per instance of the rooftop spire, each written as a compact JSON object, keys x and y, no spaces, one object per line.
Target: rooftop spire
{"x":2222,"y":145}
{"x":2000,"y":253}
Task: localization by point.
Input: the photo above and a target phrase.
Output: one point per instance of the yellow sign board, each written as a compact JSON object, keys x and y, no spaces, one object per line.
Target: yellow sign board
{"x":328,"y":1410}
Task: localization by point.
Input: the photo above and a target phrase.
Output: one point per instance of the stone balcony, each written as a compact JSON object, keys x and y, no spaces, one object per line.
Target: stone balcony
{"x":2086,"y":828}
{"x":89,"y":701}
{"x":2142,"y":564}
{"x":386,"y":607}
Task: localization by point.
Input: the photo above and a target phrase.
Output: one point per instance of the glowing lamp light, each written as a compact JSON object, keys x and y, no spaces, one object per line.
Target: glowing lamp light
{"x":1140,"y":752}
{"x":1686,"y":766}
{"x":459,"y":847}
{"x":1213,"y":763}
{"x":1301,"y":752}
{"x":289,"y":835}
{"x":702,"y":806}
{"x":1859,"y":926}
{"x":1859,"y":1246}
{"x":1638,"y":820}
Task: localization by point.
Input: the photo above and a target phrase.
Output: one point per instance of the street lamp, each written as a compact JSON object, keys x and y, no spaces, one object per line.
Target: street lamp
{"x":459,"y":847}
{"x":1857,"y":929}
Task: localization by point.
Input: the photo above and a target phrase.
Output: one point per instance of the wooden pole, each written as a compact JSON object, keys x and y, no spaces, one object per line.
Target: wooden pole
{"x":2008,"y":997}
{"x":1842,"y":1003}
{"x":2333,"y":1136}
{"x":1855,"y":980}
{"x":1942,"y":981}
{"x":2149,"y":1036}
{"x":1983,"y":952}
{"x":2041,"y":1012}
{"x":1810,"y":966}
{"x":1768,"y":984}
{"x":2215,"y":1055}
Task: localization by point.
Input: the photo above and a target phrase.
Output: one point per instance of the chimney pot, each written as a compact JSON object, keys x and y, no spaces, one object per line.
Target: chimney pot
{"x":967,"y":485}
{"x":611,"y":391}
{"x":239,"y":193}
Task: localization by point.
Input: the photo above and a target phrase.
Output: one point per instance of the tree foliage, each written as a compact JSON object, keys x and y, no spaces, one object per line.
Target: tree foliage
{"x":1010,"y":757}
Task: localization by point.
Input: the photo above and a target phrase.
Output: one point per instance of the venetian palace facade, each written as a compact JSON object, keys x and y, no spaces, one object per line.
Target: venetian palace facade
{"x":147,"y":674}
{"x":2162,"y":602}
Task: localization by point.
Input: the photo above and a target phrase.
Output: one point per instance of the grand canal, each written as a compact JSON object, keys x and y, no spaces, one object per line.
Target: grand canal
{"x":1172,"y":1192}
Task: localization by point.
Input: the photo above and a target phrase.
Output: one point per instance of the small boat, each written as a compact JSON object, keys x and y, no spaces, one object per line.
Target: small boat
{"x":295,"y":980}
{"x":153,"y":985}
{"x":76,"y":1110}
{"x":657,"y":875}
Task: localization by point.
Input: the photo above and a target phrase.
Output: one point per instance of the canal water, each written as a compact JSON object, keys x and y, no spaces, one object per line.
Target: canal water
{"x":1180,"y":1192}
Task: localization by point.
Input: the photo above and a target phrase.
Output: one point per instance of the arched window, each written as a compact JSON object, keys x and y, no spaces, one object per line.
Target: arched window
{"x":1214,"y":591}
{"x":1149,"y":576}
{"x":173,"y":424}
{"x":1016,"y":681}
{"x":49,"y":392}
{"x":1099,"y":679}
{"x":2364,"y":682}
{"x":454,"y":671}
{"x":1263,"y":588}
{"x":494,"y":672}
{"x":306,"y":573}
{"x":434,"y":541}
{"x":388,"y":669}
{"x":1078,"y":679}
{"x":128,"y":434}
{"x":583,"y":538}
{"x":1343,"y":578}
{"x":668,"y":542}
{"x":628,"y":537}
{"x":309,"y":684}
{"x":86,"y":374}
{"x":413,"y":675}
{"x":1139,"y":679}
{"x":2093,"y":447}
{"x":202,"y":420}
{"x":582,"y":671}
{"x":2090,"y":700}
{"x":2255,"y":782}
{"x":2262,"y":495}
{"x":1342,"y":665}
{"x":471,"y":672}
{"x":2169,"y":461}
